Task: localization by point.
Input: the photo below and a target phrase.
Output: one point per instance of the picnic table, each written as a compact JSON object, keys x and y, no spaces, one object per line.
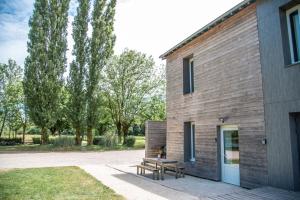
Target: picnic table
{"x":159,"y":162}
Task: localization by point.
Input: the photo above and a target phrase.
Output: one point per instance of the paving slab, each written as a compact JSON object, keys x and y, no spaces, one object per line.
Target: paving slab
{"x":196,"y":187}
{"x":133,"y":187}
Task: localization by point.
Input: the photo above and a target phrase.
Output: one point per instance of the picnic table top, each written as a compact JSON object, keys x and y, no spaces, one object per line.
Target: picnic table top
{"x":159,"y":160}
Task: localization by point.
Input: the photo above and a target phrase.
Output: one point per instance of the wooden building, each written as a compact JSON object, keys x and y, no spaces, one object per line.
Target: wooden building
{"x":233,"y":97}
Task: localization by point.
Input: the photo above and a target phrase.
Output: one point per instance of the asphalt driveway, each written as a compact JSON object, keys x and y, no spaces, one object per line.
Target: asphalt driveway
{"x":31,"y":160}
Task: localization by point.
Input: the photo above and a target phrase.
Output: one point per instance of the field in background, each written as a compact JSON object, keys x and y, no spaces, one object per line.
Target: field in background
{"x":139,"y":144}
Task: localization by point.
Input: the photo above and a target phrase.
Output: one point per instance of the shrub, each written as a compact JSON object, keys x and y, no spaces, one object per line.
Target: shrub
{"x":99,"y":140}
{"x":129,"y":141}
{"x":10,"y":141}
{"x":34,"y":131}
{"x":106,"y":140}
{"x":63,"y":141}
{"x":51,"y":140}
{"x":111,"y":139}
{"x":36,"y":140}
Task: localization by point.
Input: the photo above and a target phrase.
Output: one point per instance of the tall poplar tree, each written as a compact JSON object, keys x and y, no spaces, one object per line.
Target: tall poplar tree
{"x":101,"y":48}
{"x":76,"y":84}
{"x":46,"y":62}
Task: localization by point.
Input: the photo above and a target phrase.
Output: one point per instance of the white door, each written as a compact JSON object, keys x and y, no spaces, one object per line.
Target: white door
{"x":230,"y":155}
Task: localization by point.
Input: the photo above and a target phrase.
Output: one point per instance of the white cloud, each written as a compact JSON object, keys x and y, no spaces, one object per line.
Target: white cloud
{"x":15,"y":49}
{"x":149,"y":26}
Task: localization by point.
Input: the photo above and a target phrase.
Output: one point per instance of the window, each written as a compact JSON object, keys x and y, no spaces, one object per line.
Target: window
{"x":188,"y":75}
{"x":293,"y":21}
{"x":189,"y":141}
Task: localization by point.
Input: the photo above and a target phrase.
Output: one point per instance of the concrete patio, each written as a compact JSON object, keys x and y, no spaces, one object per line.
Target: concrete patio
{"x":196,"y":188}
{"x":116,"y":169}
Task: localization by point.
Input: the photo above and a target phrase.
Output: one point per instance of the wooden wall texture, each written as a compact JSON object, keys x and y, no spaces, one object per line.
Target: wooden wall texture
{"x":155,"y":132}
{"x":228,"y":83}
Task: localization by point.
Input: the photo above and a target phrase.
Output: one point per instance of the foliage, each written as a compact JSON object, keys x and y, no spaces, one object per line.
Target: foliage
{"x":46,"y":62}
{"x":11,"y":95}
{"x":36,"y":140}
{"x":139,"y":144}
{"x":53,"y":183}
{"x":77,"y":73}
{"x":34,"y":131}
{"x":62,"y":122}
{"x":106,"y":140}
{"x":137,"y":129}
{"x":67,"y":132}
{"x":101,"y":48}
{"x":104,"y":121}
{"x":99,"y":140}
{"x":14,"y":96}
{"x":129,"y":141}
{"x":129,"y":80}
{"x":110,"y":140}
{"x":62,"y":141}
{"x":10,"y":141}
{"x":154,"y":109}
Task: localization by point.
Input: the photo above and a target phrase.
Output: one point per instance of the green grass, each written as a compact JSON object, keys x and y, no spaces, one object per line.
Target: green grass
{"x":139,"y":144}
{"x":52,"y":183}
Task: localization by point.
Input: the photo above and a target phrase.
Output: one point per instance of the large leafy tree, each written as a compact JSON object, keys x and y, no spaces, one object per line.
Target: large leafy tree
{"x":130,"y":79}
{"x":76,"y":81}
{"x":10,"y":92}
{"x":62,"y":120}
{"x":154,"y":109}
{"x":46,"y":62}
{"x":14,"y":94}
{"x":101,"y":48}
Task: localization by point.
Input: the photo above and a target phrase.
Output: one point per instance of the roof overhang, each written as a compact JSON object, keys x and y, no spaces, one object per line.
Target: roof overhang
{"x":209,"y":26}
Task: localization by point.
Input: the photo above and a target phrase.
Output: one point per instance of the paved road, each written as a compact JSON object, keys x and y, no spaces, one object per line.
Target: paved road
{"x":27,"y":160}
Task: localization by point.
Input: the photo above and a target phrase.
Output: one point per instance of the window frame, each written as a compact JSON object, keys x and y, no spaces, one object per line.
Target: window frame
{"x":189,"y":141}
{"x":290,"y":36}
{"x":188,"y":75}
{"x":191,"y":74}
{"x":193,"y":143}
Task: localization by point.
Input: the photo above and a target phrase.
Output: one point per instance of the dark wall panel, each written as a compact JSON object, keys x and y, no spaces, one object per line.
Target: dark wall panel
{"x":281,"y":86}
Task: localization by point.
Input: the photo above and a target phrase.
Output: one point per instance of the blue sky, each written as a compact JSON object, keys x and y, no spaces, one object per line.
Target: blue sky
{"x":149,"y":26}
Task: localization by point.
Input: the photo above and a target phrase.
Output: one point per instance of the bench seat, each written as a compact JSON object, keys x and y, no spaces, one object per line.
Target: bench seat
{"x":140,"y":169}
{"x":179,"y":169}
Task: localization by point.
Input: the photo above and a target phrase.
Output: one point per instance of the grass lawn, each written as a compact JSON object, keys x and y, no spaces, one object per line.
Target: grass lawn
{"x":52,"y":183}
{"x":139,"y":144}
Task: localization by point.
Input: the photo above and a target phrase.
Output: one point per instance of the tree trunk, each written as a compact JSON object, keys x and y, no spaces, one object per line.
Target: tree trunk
{"x":9,"y":133}
{"x":24,"y":130}
{"x":53,"y":130}
{"x":3,"y":123}
{"x":78,"y":138}
{"x":119,"y":132}
{"x":125,"y":129}
{"x":44,"y":138}
{"x":89,"y":135}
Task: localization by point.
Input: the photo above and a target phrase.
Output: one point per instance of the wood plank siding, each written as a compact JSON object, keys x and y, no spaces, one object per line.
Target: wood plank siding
{"x":155,"y":137}
{"x":228,"y":83}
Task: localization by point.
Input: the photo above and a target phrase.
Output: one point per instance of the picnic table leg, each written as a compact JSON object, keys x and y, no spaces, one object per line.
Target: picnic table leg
{"x":162,"y":172}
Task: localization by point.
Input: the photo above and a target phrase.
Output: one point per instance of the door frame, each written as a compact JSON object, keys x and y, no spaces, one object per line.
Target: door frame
{"x":221,"y":149}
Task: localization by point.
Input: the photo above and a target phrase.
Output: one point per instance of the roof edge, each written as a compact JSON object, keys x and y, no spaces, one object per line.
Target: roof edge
{"x":209,"y":26}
